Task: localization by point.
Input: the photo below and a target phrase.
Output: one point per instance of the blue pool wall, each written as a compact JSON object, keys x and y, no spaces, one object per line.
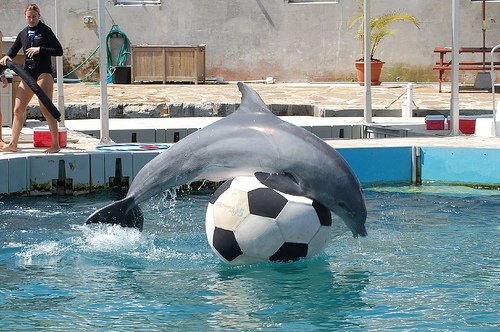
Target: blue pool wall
{"x":461,"y":165}
{"x":390,"y":165}
{"x":80,"y":173}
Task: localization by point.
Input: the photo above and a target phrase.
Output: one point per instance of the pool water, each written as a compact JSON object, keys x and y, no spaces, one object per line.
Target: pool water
{"x":431,"y":262}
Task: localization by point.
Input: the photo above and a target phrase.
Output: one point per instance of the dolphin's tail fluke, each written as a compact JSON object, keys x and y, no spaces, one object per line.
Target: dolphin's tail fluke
{"x":123,"y":212}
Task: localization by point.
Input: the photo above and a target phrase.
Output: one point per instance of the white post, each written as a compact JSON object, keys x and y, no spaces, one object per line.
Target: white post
{"x":59,"y":68}
{"x":409,"y":100}
{"x":367,"y":64}
{"x":496,"y":105}
{"x":455,"y":45}
{"x":103,"y":73}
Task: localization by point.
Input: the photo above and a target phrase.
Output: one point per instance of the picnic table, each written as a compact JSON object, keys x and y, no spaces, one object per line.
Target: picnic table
{"x":442,"y":65}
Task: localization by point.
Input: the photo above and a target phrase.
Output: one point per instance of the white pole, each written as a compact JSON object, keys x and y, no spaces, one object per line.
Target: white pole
{"x":59,"y":68}
{"x":409,"y":101}
{"x":367,"y":64}
{"x":101,"y":13}
{"x":455,"y":45}
{"x":496,"y":119}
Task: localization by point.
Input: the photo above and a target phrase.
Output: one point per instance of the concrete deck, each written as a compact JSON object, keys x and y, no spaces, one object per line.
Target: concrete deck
{"x":339,"y":101}
{"x":81,"y":167}
{"x":78,"y":141}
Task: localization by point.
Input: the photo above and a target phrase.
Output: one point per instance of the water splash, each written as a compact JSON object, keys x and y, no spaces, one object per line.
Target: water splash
{"x":46,"y":252}
{"x":110,"y":238}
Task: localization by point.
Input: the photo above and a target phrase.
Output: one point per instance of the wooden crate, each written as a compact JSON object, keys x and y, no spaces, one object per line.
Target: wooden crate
{"x":168,"y":63}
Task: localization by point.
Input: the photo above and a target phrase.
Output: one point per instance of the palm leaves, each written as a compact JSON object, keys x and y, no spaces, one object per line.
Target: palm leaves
{"x":379,"y":27}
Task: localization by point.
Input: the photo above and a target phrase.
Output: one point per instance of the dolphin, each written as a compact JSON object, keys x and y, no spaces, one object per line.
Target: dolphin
{"x":250,"y":141}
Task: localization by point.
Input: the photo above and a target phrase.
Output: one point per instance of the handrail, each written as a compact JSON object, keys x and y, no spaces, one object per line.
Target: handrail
{"x":492,"y":74}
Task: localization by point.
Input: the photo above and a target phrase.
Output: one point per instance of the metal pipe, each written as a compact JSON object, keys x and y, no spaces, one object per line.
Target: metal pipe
{"x":367,"y":64}
{"x":103,"y":73}
{"x":454,"y":102}
{"x":416,"y":169}
{"x":59,"y":68}
{"x":496,"y":122}
{"x":484,"y":35}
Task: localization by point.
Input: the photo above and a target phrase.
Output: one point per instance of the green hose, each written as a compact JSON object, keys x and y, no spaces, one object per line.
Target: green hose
{"x":83,"y":62}
{"x":120,"y":61}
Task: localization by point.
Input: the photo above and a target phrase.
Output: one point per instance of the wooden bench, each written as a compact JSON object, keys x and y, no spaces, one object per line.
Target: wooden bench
{"x":443,"y":65}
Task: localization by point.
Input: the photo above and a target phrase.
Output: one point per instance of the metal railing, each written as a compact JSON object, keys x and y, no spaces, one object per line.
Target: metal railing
{"x":492,"y":74}
{"x":376,"y":131}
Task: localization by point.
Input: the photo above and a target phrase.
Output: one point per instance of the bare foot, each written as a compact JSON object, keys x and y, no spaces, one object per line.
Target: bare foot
{"x":2,"y":144}
{"x":8,"y":148}
{"x":53,"y":149}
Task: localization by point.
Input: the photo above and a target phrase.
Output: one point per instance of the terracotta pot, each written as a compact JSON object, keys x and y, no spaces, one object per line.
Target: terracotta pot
{"x":376,"y":67}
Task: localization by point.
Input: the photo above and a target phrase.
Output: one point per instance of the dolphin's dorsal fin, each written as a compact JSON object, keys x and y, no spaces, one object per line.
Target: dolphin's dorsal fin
{"x":250,"y":100}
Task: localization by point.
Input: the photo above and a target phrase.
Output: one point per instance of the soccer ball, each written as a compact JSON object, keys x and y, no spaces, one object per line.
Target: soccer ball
{"x":248,"y":222}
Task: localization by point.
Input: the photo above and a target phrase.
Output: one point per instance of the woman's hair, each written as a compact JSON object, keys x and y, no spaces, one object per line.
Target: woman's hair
{"x":32,"y":7}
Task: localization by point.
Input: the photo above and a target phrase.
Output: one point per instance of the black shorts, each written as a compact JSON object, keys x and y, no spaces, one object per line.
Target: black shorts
{"x":35,"y":73}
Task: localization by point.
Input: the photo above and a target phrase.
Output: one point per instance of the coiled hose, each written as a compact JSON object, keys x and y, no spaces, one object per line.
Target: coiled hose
{"x":121,"y":59}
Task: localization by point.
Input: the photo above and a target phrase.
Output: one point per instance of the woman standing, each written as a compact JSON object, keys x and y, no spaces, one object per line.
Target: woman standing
{"x":39,"y":44}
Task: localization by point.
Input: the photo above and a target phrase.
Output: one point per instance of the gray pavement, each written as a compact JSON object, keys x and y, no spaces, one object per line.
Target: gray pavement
{"x":344,"y":97}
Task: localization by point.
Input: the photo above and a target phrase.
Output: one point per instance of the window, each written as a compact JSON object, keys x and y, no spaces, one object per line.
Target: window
{"x":137,"y":2}
{"x":312,"y":1}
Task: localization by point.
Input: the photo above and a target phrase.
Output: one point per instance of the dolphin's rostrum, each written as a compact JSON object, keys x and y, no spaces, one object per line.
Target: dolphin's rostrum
{"x":251,"y":141}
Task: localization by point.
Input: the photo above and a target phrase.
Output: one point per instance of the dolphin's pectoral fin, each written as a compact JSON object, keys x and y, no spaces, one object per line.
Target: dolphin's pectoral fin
{"x":123,"y":212}
{"x":284,"y":182}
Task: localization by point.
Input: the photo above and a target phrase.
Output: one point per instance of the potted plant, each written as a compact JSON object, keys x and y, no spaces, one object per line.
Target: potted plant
{"x":379,"y":29}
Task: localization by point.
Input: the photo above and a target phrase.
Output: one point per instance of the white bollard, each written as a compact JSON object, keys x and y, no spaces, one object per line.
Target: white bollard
{"x":409,"y":100}
{"x":485,"y":127}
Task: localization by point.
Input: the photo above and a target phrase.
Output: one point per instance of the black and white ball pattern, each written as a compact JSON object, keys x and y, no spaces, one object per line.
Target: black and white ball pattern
{"x":247,"y":222}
